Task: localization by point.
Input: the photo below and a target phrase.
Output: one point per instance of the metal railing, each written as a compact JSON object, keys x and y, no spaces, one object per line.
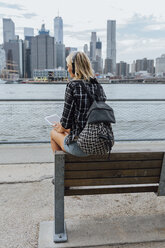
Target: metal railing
{"x":22,"y":120}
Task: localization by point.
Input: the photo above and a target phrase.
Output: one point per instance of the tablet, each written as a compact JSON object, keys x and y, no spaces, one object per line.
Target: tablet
{"x":52,"y":119}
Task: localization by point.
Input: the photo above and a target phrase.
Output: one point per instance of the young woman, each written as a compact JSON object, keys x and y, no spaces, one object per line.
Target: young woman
{"x":65,"y":133}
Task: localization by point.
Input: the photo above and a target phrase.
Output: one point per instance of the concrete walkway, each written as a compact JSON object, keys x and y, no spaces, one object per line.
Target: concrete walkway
{"x":26,"y":196}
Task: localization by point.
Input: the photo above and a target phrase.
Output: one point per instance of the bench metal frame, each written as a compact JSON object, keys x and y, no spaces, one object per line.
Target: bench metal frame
{"x":60,"y":234}
{"x":161,"y":189}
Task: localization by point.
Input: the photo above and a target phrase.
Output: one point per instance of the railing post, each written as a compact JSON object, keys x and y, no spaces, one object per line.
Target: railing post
{"x":161,"y":189}
{"x":60,"y":234}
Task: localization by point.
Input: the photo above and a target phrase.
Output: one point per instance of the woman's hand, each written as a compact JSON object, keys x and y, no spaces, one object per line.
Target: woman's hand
{"x":58,"y":128}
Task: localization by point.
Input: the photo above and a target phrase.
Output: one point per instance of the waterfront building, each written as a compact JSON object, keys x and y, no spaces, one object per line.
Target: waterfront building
{"x":50,"y":74}
{"x":42,"y":50}
{"x":27,"y":58}
{"x":28,"y":34}
{"x":133,"y":67}
{"x":2,"y":59}
{"x":111,"y":44}
{"x":150,"y":66}
{"x":145,"y":65}
{"x":122,"y":69}
{"x":8,"y":30}
{"x":160,"y":66}
{"x":108,"y":67}
{"x":142,"y":74}
{"x":14,"y":56}
{"x":58,"y":29}
{"x":59,"y":55}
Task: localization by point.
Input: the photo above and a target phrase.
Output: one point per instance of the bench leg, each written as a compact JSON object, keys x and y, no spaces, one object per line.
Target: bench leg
{"x":60,"y":234}
{"x":161,"y":190}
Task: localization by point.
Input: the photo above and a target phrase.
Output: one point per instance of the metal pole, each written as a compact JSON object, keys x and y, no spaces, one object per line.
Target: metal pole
{"x":60,"y":234}
{"x":161,"y":190}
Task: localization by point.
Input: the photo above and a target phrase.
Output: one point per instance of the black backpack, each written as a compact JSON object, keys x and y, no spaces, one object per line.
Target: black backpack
{"x":97,"y":136}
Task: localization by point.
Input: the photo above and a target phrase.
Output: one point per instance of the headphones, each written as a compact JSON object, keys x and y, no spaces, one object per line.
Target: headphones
{"x":73,"y":62}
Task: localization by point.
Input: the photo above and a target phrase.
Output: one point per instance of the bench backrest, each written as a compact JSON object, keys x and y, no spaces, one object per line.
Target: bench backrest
{"x":123,"y":173}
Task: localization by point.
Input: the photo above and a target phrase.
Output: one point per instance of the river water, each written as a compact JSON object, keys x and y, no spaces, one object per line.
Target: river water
{"x":136,"y":120}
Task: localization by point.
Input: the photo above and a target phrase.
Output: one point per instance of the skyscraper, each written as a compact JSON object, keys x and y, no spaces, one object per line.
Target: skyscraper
{"x":8,"y":30}
{"x":42,"y":51}
{"x":58,"y":29}
{"x":59,"y":55}
{"x":122,"y":69}
{"x":160,"y":65}
{"x":111,"y":43}
{"x":14,"y":55}
{"x":108,"y":66}
{"x":2,"y":58}
{"x":93,"y":46}
{"x":86,"y":49}
{"x":58,"y":39}
{"x":145,"y":65}
{"x":95,"y":53}
{"x":99,"y":55}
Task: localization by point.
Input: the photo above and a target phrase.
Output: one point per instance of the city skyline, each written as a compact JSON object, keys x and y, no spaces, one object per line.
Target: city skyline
{"x":140,"y":26}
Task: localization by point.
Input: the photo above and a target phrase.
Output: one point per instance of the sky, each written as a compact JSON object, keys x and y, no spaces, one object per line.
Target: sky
{"x":140,"y":24}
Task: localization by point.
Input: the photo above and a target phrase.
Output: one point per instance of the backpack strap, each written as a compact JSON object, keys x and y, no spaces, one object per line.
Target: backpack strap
{"x":88,"y":93}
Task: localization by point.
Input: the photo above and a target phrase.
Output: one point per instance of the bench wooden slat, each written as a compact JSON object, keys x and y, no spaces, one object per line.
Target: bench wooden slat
{"x":74,"y":191}
{"x":116,"y":157}
{"x":111,"y":181}
{"x":113,"y":165}
{"x":112,"y":173}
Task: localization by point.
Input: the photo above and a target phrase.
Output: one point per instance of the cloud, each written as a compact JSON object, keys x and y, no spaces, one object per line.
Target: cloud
{"x":2,"y":15}
{"x":11,"y":6}
{"x":140,"y":48}
{"x":141,"y":26}
{"x":84,"y":35}
{"x":79,"y":35}
{"x":141,"y":36}
{"x":67,"y":26}
{"x":29,"y":15}
{"x":155,"y":27}
{"x":10,"y":16}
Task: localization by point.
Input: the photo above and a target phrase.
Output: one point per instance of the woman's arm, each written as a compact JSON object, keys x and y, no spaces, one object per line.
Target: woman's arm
{"x":68,"y":111}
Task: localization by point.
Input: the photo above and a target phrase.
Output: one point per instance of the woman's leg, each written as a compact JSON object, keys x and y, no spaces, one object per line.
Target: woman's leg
{"x":54,"y":146}
{"x":57,"y":140}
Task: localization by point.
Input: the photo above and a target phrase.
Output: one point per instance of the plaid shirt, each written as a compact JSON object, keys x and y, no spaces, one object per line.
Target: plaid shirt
{"x":76,"y":105}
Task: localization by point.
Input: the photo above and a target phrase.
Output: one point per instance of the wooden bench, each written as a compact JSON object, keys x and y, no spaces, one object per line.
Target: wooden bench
{"x":133,"y":172}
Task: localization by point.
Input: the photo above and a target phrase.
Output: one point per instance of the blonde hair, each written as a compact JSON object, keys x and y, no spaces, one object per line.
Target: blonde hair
{"x":83,"y":68}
